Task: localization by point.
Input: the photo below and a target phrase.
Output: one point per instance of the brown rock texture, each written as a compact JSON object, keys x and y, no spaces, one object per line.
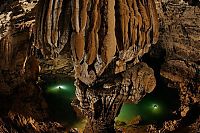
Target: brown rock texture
{"x":98,"y":36}
{"x":104,"y":45}
{"x":179,"y":46}
{"x":97,"y":102}
{"x":101,"y":37}
{"x":16,"y":123}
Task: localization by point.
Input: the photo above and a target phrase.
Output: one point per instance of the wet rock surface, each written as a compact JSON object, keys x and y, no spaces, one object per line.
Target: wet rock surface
{"x":175,"y":58}
{"x":179,"y":58}
{"x":17,"y":123}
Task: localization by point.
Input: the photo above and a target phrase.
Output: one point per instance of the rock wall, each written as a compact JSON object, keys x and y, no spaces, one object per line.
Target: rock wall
{"x":175,"y":58}
{"x":178,"y":54}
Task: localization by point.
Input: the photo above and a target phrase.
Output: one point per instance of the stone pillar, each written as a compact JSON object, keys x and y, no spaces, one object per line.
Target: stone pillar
{"x":102,"y":102}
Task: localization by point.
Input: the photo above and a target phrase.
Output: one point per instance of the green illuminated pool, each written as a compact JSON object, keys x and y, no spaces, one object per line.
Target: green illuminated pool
{"x":154,"y":107}
{"x":59,"y":95}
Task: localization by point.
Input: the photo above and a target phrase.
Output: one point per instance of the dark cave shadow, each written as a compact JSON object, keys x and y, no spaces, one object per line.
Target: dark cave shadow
{"x":170,"y":96}
{"x":59,"y":104}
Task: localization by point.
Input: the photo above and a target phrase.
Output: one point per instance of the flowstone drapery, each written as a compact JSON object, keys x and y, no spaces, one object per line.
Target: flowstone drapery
{"x":107,"y":39}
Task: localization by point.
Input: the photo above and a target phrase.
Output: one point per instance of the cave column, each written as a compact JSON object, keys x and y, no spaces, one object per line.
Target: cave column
{"x":102,"y":102}
{"x":100,"y":106}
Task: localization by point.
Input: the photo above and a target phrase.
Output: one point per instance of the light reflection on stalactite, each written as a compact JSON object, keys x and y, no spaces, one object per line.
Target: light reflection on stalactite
{"x":52,"y":22}
{"x":99,"y":32}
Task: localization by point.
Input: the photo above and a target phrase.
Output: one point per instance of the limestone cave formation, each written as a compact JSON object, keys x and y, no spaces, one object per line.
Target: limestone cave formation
{"x":99,"y":66}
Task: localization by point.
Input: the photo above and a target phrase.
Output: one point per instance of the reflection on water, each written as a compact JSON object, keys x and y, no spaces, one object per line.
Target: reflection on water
{"x":59,"y":95}
{"x":155,"y":107}
{"x":148,"y":109}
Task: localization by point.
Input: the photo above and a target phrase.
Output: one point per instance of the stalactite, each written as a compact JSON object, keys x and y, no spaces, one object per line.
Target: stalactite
{"x":42,"y":33}
{"x":122,"y":15}
{"x":148,"y":39}
{"x":109,"y":42}
{"x":155,"y":22}
{"x":56,"y":14}
{"x":58,"y":44}
{"x":139,"y":20}
{"x":145,"y":20}
{"x":64,"y":25}
{"x":126,"y":21}
{"x":131,"y":21}
{"x":134,"y":28}
{"x":83,"y":15}
{"x":124,"y":12}
{"x":77,"y":43}
{"x":49,"y":23}
{"x":10,"y":49}
{"x":51,"y":32}
{"x":78,"y":46}
{"x":93,"y":36}
{"x":91,"y":27}
{"x":75,"y":15}
{"x":6,"y":52}
{"x":40,"y":39}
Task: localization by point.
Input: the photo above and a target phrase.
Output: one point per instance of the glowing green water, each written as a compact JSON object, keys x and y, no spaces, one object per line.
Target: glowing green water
{"x":154,"y":107}
{"x":65,"y":89}
{"x":59,"y":96}
{"x":148,"y":109}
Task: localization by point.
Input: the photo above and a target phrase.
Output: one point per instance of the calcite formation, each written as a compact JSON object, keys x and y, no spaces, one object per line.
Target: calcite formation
{"x":107,"y":38}
{"x":104,"y":41}
{"x":98,"y":33}
{"x":101,"y":103}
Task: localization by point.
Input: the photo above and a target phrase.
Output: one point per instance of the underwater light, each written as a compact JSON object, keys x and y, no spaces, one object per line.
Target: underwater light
{"x":60,"y":87}
{"x":155,"y":106}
